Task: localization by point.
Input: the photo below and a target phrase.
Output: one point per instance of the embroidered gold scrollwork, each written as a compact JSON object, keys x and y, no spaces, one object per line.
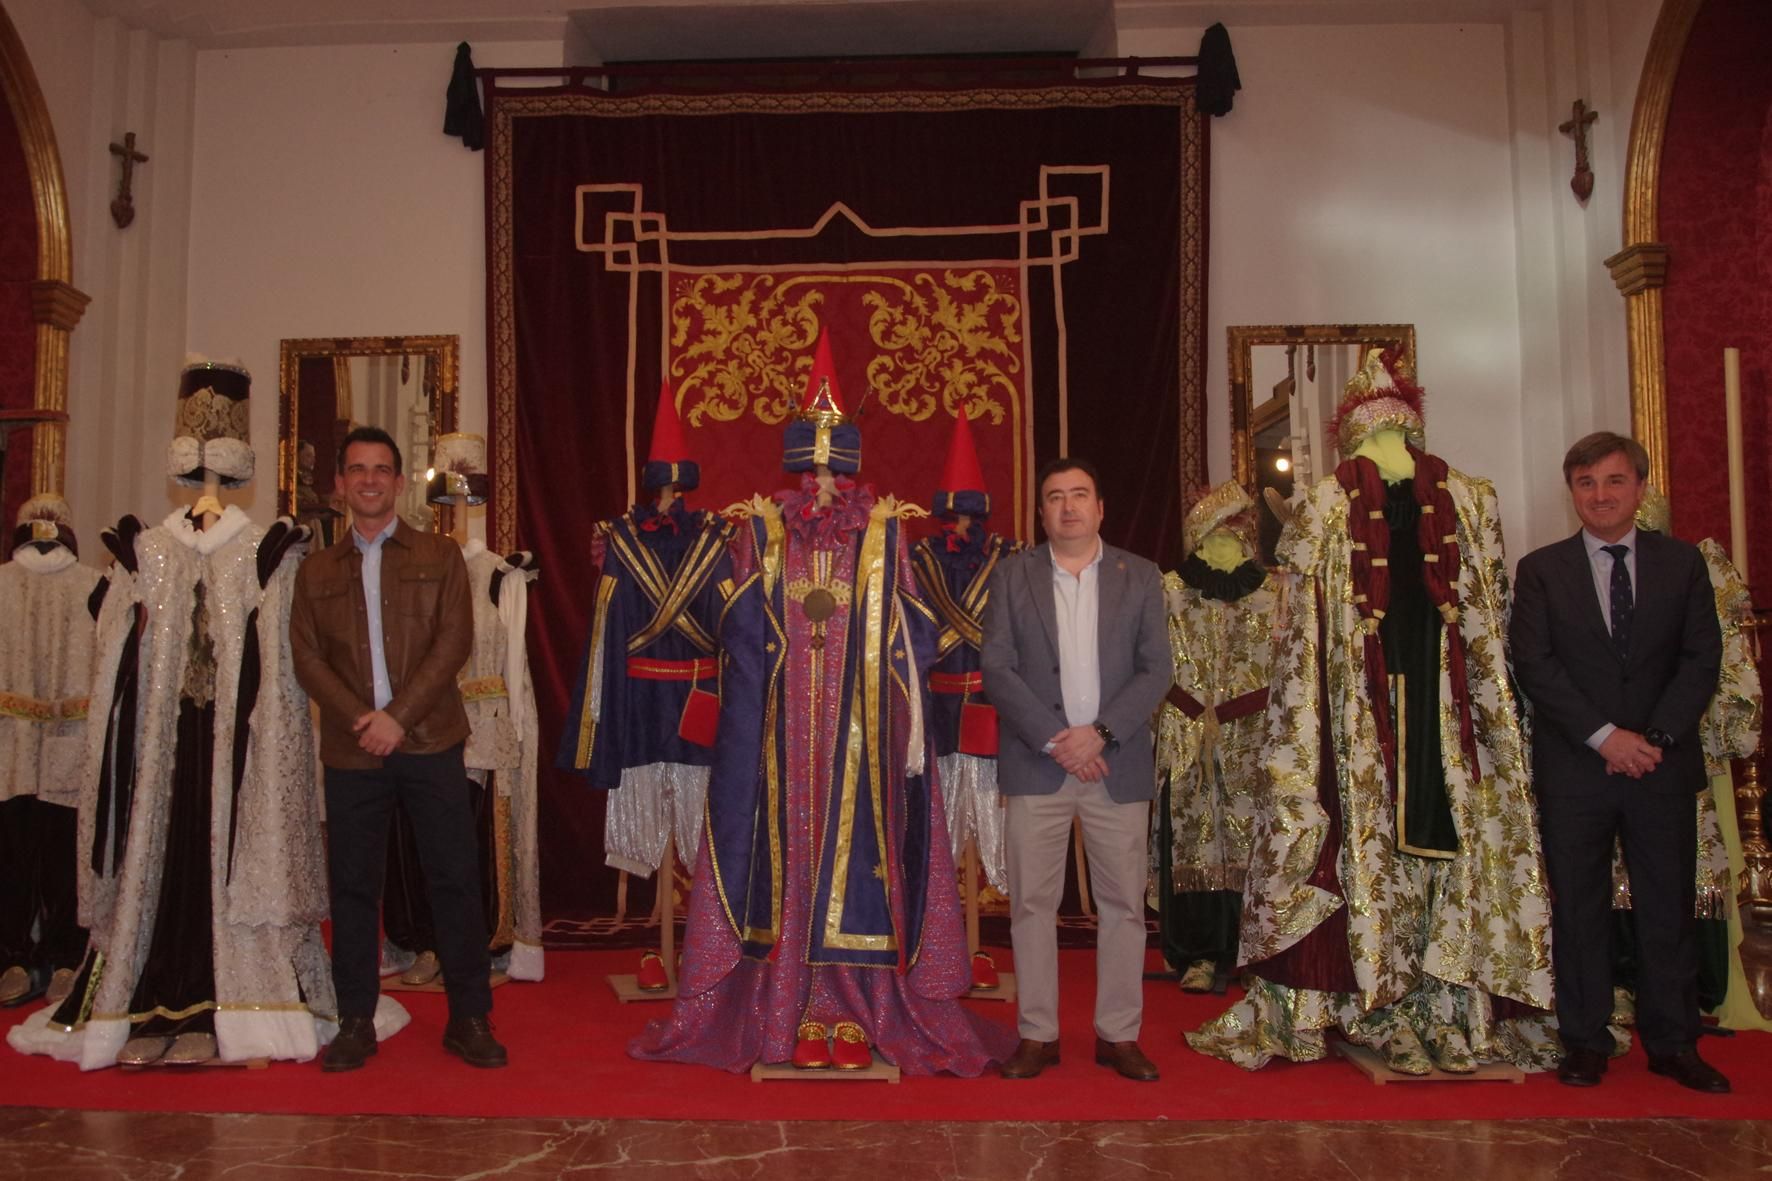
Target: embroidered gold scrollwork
{"x":742,"y":343}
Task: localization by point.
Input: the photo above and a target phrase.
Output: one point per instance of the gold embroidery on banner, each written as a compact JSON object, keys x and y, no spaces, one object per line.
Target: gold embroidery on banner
{"x":742,"y":342}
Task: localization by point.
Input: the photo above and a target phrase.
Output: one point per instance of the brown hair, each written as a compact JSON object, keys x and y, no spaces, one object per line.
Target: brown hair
{"x":1591,"y":449}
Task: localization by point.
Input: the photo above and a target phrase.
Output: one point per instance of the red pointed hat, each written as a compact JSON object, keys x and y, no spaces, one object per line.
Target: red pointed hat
{"x":962,"y":487}
{"x":823,"y":397}
{"x":820,"y":431}
{"x":668,"y":461}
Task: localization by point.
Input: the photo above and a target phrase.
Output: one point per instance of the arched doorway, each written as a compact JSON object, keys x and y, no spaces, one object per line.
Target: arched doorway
{"x":39,"y":305}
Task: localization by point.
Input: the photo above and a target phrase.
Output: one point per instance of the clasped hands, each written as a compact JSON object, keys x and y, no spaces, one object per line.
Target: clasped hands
{"x":1078,"y":750}
{"x":378,"y":733}
{"x":1628,"y":753}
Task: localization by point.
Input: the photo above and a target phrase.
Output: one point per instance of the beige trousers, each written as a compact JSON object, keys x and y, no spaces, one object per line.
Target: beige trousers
{"x":1037,"y":833}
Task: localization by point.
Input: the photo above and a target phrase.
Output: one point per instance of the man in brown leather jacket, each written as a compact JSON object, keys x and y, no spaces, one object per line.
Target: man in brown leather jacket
{"x":380,"y":628}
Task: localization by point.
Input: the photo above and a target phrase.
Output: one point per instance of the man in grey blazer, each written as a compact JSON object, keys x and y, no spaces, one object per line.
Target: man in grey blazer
{"x":1615,"y":642}
{"x":1076,"y":659}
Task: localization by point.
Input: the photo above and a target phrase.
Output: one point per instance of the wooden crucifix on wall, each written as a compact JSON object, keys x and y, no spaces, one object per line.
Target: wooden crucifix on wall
{"x":123,"y":207}
{"x":1582,"y":183}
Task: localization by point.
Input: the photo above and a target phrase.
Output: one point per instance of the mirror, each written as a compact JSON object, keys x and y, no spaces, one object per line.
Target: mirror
{"x":405,"y":385}
{"x":1286,"y":381}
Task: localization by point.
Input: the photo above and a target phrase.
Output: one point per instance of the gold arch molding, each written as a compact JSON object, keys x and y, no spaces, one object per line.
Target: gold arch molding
{"x":56,"y":305}
{"x":1640,"y":269}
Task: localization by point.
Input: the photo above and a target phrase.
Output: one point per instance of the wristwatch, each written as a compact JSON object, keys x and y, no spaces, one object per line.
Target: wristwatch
{"x":1107,"y":736}
{"x":1660,"y":738}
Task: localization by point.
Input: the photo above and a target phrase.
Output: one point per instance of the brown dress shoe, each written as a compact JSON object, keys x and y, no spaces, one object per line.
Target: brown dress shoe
{"x":1126,"y":1059}
{"x":351,"y":1046}
{"x":471,"y":1040}
{"x":1030,"y":1058}
{"x":1691,"y":1071}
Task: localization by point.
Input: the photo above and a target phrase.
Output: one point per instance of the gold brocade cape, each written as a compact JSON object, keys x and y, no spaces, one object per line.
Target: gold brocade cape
{"x":1485,"y":923}
{"x":1730,"y":730}
{"x":1221,"y":651}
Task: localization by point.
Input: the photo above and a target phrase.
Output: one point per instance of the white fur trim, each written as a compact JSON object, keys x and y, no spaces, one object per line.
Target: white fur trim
{"x":231,"y":459}
{"x":244,"y":1034}
{"x":29,"y":557}
{"x":207,"y":541}
{"x":526,"y":961}
{"x":35,"y":1035}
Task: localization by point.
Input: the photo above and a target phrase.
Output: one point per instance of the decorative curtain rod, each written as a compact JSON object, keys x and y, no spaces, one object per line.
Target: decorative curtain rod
{"x":847,"y":66}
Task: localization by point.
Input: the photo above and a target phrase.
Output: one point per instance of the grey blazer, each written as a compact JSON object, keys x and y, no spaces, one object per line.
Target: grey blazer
{"x":1021,"y":679}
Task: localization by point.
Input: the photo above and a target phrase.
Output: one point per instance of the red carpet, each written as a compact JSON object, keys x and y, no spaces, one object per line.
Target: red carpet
{"x":567,"y":1039}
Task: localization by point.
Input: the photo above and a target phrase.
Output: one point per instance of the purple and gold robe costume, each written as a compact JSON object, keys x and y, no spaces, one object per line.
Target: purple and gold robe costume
{"x":827,"y":894}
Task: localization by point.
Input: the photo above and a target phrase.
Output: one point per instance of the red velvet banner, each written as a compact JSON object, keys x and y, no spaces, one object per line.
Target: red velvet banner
{"x":1716,"y":219}
{"x":1034,"y":256}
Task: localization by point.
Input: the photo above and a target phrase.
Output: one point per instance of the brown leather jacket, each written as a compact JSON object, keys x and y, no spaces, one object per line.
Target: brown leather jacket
{"x":427,"y":635}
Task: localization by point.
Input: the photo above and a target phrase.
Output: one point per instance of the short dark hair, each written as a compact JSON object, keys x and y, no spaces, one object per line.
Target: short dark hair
{"x":1066,"y":463}
{"x":1591,"y":449}
{"x":369,"y":434}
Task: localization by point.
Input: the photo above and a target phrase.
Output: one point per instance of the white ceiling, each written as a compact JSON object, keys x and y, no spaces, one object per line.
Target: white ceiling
{"x":628,"y":30}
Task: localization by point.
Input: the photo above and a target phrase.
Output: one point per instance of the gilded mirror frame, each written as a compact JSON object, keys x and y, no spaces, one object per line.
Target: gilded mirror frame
{"x":440,"y":375}
{"x":1243,"y":338}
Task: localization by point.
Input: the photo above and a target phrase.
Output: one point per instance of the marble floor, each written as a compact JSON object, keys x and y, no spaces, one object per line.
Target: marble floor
{"x":76,"y":1145}
{"x":69,"y":1145}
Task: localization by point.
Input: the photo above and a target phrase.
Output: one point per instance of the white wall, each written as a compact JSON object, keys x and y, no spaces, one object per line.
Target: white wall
{"x":1368,"y":173}
{"x":101,"y":79}
{"x":1364,"y":176}
{"x":326,"y":201}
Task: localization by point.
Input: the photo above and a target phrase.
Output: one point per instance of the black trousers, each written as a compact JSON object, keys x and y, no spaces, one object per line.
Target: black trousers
{"x":39,"y":910}
{"x":433,"y":790}
{"x":1659,"y":831}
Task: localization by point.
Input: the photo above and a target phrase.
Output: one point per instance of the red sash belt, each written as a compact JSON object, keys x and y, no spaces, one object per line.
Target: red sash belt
{"x":643,"y":668}
{"x":1242,"y":706}
{"x":972,"y":682}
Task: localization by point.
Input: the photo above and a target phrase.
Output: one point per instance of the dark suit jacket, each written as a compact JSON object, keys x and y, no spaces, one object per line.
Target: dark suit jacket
{"x":1567,"y":667}
{"x":1020,"y":660}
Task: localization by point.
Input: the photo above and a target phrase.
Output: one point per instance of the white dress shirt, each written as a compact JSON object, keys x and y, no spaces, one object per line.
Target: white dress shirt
{"x":1079,"y":663}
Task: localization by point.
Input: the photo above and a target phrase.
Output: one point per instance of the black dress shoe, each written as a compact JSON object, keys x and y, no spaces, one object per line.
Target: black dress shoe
{"x":1690,"y":1071}
{"x":352,"y":1047}
{"x":1126,"y":1059}
{"x":1029,"y":1059}
{"x":1581,"y":1068}
{"x":471,"y":1040}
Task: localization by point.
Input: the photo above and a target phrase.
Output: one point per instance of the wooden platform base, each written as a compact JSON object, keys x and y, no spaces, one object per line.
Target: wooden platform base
{"x":881,"y":1071}
{"x":627,"y":990}
{"x":1005,"y":990}
{"x":1371,"y":1064}
{"x":392,"y":984}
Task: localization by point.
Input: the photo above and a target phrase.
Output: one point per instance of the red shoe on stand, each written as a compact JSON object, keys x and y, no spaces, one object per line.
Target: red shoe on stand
{"x":849,"y":1047}
{"x":651,"y":977}
{"x":813,"y":1051}
{"x":984,"y":972}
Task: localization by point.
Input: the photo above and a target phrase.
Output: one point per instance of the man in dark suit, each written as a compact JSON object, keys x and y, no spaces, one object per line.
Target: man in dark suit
{"x":1615,"y":642}
{"x":1076,"y":659}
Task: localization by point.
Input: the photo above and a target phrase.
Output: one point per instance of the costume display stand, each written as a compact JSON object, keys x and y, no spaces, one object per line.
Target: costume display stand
{"x":626,"y":985}
{"x":1005,"y":990}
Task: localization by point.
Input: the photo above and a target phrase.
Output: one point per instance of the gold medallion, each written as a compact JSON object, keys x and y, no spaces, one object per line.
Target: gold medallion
{"x":819,"y":605}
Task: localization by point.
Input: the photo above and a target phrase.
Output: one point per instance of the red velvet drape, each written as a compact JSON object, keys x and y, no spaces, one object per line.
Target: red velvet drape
{"x":1716,"y":218}
{"x":718,"y":233}
{"x":18,"y":328}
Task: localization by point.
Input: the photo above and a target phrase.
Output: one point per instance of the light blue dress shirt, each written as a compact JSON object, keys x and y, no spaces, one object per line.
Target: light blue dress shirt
{"x":378,"y":656}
